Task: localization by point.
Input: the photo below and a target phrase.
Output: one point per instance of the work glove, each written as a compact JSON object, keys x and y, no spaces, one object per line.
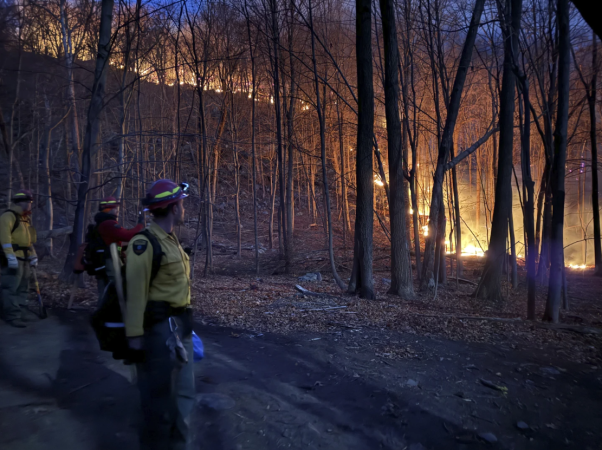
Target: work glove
{"x":33,"y":261}
{"x":13,"y":262}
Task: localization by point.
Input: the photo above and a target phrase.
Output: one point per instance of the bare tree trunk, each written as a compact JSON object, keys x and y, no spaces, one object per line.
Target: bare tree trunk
{"x":123,"y":102}
{"x":558,"y":171}
{"x":490,"y":284}
{"x":5,"y":139}
{"x":344,"y":201}
{"x":591,"y":95}
{"x":46,"y":185}
{"x":446,"y":143}
{"x":253,"y":156}
{"x":407,"y":81}
{"x":236,"y":176}
{"x":290,"y":118}
{"x":546,"y":223}
{"x":440,"y":262}
{"x":361,"y":274}
{"x":528,"y":184}
{"x":457,"y":218}
{"x":478,"y":189}
{"x":321,"y":120}
{"x":594,"y":152}
{"x":401,"y":270}
{"x":540,"y":207}
{"x":10,"y":148}
{"x":277,"y":107}
{"x":513,"y":267}
{"x":70,"y":91}
{"x":92,"y":129}
{"x":312,"y":186}
{"x":273,"y":186}
{"x":216,"y":144}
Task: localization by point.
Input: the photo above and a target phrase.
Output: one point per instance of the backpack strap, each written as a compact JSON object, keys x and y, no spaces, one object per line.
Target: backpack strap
{"x":17,"y":220}
{"x":157,"y":253}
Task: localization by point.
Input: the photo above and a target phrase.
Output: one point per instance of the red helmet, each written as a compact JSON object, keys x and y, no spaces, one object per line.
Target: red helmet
{"x":163,"y":193}
{"x":108,"y":203}
{"x":23,"y":195}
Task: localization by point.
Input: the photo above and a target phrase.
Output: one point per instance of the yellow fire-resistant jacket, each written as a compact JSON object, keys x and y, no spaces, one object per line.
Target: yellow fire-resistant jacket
{"x":172,"y":283}
{"x":24,"y":235}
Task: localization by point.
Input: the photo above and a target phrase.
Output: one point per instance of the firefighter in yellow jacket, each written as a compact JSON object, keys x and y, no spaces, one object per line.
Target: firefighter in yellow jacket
{"x":17,"y":237}
{"x":158,"y":323}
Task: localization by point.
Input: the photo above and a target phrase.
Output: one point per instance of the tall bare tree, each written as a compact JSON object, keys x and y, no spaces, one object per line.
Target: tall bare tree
{"x":401,"y":270}
{"x":552,"y":312}
{"x":92,"y":129}
{"x":361,"y":274}
{"x":490,"y":284}
{"x":434,"y":233}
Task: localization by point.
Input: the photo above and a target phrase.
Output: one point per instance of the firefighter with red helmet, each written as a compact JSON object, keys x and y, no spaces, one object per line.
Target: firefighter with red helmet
{"x":110,"y":231}
{"x":17,"y":237}
{"x":158,"y":322}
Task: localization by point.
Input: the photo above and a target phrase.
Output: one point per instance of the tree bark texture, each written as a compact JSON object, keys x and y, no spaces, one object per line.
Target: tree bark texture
{"x":528,"y":185}
{"x":553,"y":303}
{"x":427,"y":276}
{"x":401,"y":270}
{"x":92,"y":130}
{"x":591,"y":101}
{"x":490,"y":284}
{"x":361,"y":274}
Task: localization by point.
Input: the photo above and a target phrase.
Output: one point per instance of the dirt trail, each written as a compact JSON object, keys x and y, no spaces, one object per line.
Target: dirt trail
{"x":326,"y":391}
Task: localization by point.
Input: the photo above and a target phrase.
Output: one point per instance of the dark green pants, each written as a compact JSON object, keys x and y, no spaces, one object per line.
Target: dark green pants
{"x":167,"y":392}
{"x":15,"y":288}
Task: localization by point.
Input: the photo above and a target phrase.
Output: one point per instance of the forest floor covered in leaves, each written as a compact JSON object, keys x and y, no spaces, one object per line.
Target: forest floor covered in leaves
{"x":235,"y":297}
{"x":287,"y":369}
{"x":320,"y":386}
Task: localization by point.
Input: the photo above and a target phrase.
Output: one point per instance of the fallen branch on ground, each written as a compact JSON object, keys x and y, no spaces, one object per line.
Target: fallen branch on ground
{"x":323,"y":309}
{"x":307,"y":292}
{"x":491,"y":385}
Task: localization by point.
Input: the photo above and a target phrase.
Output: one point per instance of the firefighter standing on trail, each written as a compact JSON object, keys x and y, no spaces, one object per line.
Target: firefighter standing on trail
{"x":17,"y":237}
{"x":111,"y":232}
{"x":158,"y":323}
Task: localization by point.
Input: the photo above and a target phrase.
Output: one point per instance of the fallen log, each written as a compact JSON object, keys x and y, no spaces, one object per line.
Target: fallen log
{"x":307,"y":292}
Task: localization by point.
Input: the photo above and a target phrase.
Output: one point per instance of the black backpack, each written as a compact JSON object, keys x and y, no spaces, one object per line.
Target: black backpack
{"x":107,"y":320}
{"x":95,"y":253}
